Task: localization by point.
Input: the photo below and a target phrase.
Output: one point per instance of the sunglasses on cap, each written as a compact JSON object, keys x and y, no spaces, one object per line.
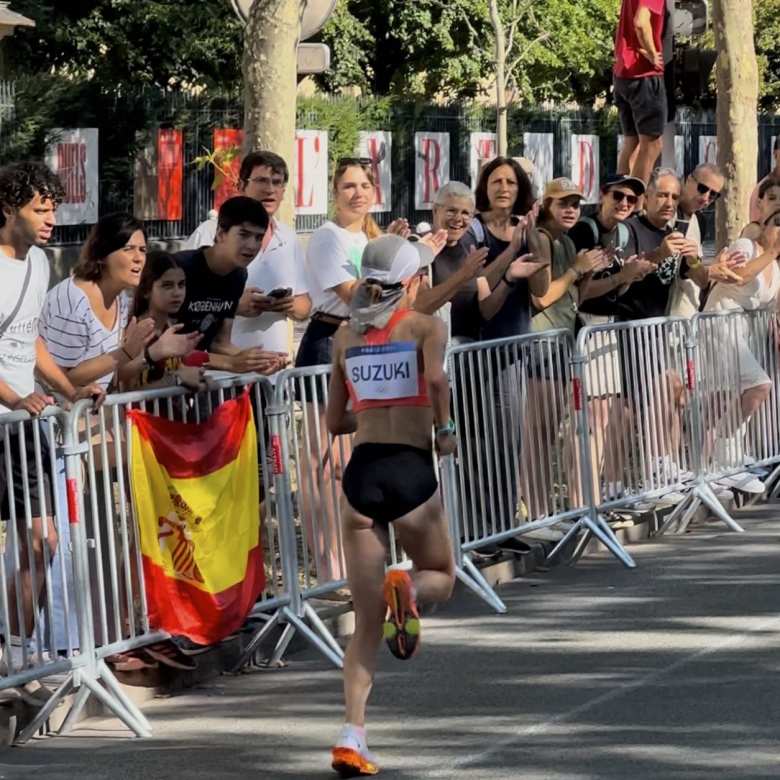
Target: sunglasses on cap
{"x":621,"y":196}
{"x":366,"y":162}
{"x":703,"y":189}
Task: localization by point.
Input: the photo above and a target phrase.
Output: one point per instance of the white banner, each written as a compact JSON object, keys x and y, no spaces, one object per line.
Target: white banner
{"x":432,"y":167}
{"x":73,"y":156}
{"x":310,"y":172}
{"x":585,"y":172}
{"x":708,"y":149}
{"x":377,"y":146}
{"x":539,"y":149}
{"x":483,"y":147}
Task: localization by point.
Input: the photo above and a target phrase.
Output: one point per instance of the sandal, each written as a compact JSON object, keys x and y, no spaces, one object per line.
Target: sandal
{"x":168,"y":654}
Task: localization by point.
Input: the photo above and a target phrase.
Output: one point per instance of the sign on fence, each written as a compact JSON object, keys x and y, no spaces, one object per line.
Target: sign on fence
{"x":585,"y":165}
{"x":539,"y":149}
{"x":432,"y":167}
{"x":482,"y":148}
{"x":159,"y":176}
{"x":310,"y":172}
{"x":73,"y":156}
{"x":377,"y":145}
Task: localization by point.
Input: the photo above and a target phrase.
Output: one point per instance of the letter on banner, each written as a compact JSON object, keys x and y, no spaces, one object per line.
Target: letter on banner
{"x":432,"y":167}
{"x":539,"y":149}
{"x":585,"y":165}
{"x":482,"y":149}
{"x":377,"y":145}
{"x":228,"y":141}
{"x":73,"y":156}
{"x":708,"y":149}
{"x":310,"y":172}
{"x":159,"y":175}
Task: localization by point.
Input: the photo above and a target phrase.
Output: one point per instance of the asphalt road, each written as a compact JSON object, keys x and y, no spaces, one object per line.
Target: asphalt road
{"x":667,"y":671}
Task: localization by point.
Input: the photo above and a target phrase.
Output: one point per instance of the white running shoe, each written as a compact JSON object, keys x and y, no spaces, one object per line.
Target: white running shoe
{"x":746,"y":482}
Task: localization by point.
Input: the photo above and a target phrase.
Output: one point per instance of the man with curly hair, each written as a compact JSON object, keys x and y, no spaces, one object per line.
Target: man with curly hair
{"x":29,"y":194}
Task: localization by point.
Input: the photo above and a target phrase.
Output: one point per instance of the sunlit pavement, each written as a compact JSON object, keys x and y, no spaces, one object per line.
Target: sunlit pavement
{"x":670,"y":670}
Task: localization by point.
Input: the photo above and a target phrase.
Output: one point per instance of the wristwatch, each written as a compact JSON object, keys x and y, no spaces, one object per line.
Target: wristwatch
{"x":507,"y":282}
{"x":446,"y":430}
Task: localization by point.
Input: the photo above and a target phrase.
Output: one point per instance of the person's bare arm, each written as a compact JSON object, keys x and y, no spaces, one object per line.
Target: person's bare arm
{"x":643,"y":27}
{"x":221,"y":345}
{"x":346,"y":290}
{"x":337,"y":418}
{"x":431,"y":300}
{"x":53,"y":377}
{"x":301,"y":307}
{"x":434,"y":346}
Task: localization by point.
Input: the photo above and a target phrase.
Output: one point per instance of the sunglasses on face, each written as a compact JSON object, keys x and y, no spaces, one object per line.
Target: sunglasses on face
{"x":703,"y":189}
{"x":619,"y":197}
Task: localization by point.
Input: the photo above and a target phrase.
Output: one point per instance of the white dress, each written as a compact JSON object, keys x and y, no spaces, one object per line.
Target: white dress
{"x":759,"y":293}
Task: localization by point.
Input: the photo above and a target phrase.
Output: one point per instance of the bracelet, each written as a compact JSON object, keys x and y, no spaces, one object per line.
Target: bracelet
{"x":127,"y":354}
{"x":507,"y":282}
{"x":148,"y":356}
{"x":695,"y":263}
{"x":446,"y":430}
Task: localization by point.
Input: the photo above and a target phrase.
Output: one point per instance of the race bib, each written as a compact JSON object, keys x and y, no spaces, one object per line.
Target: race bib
{"x":385,"y":372}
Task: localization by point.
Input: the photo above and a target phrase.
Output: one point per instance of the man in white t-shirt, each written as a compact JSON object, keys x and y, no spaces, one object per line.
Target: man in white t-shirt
{"x":276,"y":288}
{"x":29,"y":193}
{"x":701,"y":189}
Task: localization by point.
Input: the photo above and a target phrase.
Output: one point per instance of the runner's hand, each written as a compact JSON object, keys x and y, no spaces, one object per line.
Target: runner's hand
{"x":34,"y":403}
{"x":446,"y":444}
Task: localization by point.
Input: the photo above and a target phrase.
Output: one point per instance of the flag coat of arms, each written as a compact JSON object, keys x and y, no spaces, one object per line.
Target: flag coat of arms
{"x":196,"y":493}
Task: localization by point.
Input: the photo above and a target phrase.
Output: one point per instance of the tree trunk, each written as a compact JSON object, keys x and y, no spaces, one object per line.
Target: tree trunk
{"x":271,"y":82}
{"x":737,"y":82}
{"x":501,"y":82}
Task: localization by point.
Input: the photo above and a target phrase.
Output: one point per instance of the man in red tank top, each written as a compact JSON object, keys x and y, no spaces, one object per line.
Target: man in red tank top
{"x":638,"y":76}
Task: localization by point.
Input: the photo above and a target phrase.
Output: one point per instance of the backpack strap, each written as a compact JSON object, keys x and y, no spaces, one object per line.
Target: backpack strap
{"x":591,"y":223}
{"x":478,"y":231}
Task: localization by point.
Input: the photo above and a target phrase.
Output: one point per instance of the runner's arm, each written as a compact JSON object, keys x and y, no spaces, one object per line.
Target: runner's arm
{"x":434,"y":347}
{"x":337,"y":418}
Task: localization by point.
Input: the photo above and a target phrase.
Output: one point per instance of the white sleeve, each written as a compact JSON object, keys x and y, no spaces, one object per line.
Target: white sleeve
{"x":300,"y":280}
{"x":65,"y":332}
{"x":203,"y":235}
{"x":327,"y":263}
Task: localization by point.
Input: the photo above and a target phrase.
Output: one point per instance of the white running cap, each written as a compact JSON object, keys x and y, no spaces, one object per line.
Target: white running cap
{"x":391,"y":259}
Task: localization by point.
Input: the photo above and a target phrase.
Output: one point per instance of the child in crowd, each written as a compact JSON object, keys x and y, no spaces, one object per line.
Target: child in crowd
{"x":159,"y":296}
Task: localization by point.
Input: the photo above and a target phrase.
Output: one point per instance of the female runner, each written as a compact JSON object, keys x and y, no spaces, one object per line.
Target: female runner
{"x":389,"y":361}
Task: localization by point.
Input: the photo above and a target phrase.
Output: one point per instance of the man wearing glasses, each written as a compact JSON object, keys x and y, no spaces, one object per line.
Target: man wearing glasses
{"x":701,"y":189}
{"x":276,"y":288}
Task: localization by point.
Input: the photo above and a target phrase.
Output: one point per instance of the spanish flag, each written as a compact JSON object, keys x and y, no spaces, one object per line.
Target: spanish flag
{"x":195,"y":488}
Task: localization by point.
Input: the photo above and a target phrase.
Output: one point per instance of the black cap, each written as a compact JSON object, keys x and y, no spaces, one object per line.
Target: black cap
{"x":637,"y":185}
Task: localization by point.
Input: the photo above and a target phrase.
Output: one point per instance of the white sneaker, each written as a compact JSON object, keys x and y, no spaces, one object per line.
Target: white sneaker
{"x":746,"y":482}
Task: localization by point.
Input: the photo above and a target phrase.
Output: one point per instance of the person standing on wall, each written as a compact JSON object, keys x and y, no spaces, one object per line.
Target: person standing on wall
{"x":640,"y":92}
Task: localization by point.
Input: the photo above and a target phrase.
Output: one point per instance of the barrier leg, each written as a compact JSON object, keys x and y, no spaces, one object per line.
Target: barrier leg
{"x":567,"y":537}
{"x":689,"y":514}
{"x":255,"y":642}
{"x":601,"y":530}
{"x":114,"y":687}
{"x":710,"y":500}
{"x":43,"y":714}
{"x":281,"y":646}
{"x":317,"y":623}
{"x":472,"y":578}
{"x":139,"y":729}
{"x":75,"y":710}
{"x":679,"y":511}
{"x":319,"y":644}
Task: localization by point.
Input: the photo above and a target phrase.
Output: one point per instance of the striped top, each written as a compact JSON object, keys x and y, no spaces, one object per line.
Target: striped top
{"x":72,"y":332}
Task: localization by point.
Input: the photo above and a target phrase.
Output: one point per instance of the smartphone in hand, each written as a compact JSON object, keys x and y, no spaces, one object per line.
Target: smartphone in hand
{"x":280,"y":292}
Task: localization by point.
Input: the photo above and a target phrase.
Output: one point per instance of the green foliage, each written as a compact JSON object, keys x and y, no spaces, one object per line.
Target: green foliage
{"x":130,"y":43}
{"x":766,"y":15}
{"x":344,"y":118}
{"x":443,"y":49}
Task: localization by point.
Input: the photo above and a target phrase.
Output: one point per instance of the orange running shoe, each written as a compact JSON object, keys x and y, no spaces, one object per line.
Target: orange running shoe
{"x":349,"y":762}
{"x":402,"y":625}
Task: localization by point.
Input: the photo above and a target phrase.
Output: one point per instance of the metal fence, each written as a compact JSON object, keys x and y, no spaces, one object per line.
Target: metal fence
{"x":553,"y":434}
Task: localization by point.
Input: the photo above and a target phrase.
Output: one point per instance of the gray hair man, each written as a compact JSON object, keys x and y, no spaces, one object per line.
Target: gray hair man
{"x":457,"y":266}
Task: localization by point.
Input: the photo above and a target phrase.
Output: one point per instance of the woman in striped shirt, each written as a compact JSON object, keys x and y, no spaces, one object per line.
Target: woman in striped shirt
{"x":86,"y":319}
